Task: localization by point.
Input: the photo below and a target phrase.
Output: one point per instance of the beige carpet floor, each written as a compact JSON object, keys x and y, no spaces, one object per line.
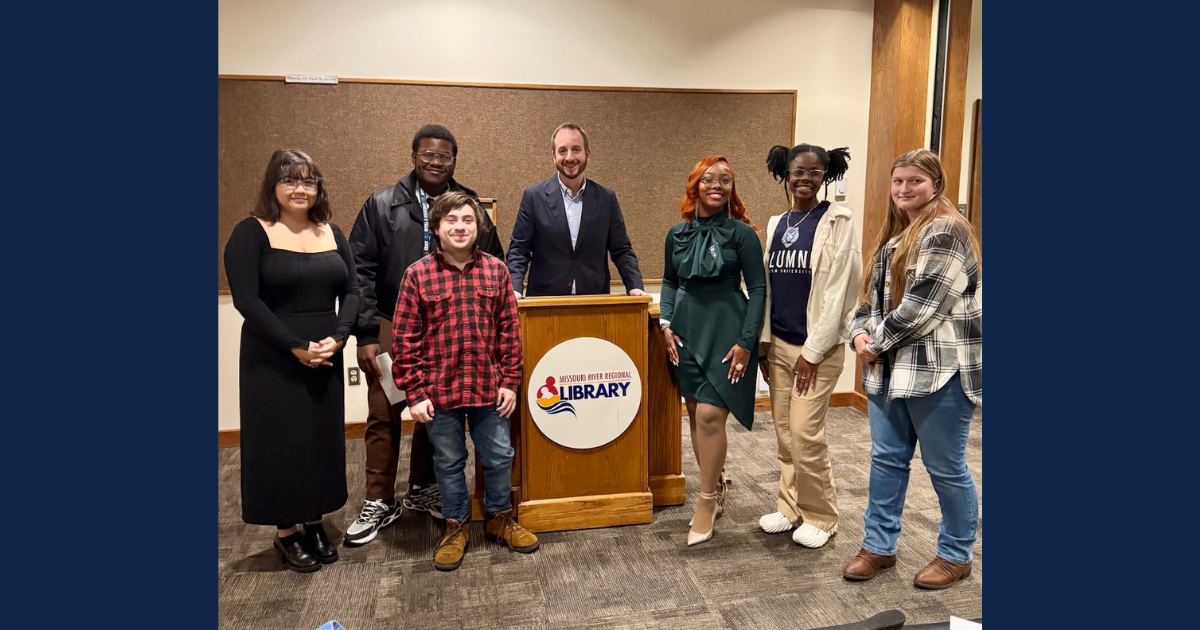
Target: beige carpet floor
{"x":640,"y":576}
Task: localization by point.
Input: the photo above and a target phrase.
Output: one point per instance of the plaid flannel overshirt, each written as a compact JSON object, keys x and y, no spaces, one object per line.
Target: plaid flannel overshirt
{"x":937,"y":329}
{"x":457,"y":336}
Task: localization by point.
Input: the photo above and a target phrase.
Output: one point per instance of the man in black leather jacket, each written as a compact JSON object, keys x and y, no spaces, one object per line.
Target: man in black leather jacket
{"x":391,"y":233}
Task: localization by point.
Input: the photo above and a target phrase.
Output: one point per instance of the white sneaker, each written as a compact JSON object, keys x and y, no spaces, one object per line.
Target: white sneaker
{"x":375,"y":516}
{"x":812,"y":537}
{"x":775,"y":523}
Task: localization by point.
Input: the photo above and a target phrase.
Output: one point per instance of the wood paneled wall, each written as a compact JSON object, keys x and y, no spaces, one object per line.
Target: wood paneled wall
{"x":899,"y":108}
{"x":975,"y":205}
{"x":955,"y":102}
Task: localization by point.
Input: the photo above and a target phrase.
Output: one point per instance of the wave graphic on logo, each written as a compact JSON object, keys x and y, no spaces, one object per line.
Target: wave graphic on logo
{"x":554,"y":405}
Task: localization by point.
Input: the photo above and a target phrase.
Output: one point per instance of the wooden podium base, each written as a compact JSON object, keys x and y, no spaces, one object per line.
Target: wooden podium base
{"x":477,"y":511}
{"x":664,"y":490}
{"x":603,"y":510}
{"x":668,"y":489}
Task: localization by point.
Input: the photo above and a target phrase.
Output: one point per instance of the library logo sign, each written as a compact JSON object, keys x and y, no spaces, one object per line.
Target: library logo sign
{"x":584,"y":393}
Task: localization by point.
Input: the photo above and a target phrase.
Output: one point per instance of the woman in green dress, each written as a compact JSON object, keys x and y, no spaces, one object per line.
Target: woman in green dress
{"x":709,"y":324}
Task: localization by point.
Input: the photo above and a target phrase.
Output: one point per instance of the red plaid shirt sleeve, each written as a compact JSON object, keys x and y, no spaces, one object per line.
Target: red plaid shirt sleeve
{"x":457,"y":334}
{"x":408,"y":332}
{"x":509,"y":327}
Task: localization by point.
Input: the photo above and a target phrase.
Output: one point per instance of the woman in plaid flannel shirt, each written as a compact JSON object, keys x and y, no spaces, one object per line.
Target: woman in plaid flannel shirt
{"x":919,"y":336}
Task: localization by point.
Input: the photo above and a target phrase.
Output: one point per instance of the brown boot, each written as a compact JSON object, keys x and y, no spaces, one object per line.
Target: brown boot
{"x":449,"y":552}
{"x":941,"y":574}
{"x":864,"y":565}
{"x":503,"y":529}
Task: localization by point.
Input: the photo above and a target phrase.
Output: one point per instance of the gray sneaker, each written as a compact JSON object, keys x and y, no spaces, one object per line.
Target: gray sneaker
{"x":425,"y":499}
{"x":375,"y":516}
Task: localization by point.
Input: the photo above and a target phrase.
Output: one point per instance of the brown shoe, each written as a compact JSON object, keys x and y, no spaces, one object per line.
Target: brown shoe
{"x":503,"y":529}
{"x":941,"y":574}
{"x":449,"y":552}
{"x":864,"y":564}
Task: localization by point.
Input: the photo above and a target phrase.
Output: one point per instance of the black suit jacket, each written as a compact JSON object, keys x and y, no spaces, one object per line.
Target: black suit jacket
{"x":388,"y":236}
{"x":541,"y":243}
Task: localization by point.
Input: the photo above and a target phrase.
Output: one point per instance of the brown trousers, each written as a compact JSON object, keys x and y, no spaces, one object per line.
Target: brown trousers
{"x":806,"y":490}
{"x":382,"y":438}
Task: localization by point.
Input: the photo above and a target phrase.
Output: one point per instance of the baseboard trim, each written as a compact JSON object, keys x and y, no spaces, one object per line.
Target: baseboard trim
{"x":354,"y":431}
{"x":849,"y":399}
{"x":227,"y":438}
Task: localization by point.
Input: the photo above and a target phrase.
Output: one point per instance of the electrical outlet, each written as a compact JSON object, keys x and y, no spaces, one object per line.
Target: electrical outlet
{"x":355,"y":376}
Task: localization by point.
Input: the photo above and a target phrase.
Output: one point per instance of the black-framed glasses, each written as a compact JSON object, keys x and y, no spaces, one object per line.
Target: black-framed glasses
{"x":710,"y":181}
{"x":814,"y":174}
{"x":440,"y":158}
{"x":291,"y":183}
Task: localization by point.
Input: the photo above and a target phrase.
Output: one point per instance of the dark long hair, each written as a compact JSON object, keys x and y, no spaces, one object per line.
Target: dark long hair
{"x":295,"y":164}
{"x":836,"y":163}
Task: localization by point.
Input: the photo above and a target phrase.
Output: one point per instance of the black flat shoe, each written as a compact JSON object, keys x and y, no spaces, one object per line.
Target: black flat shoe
{"x":292,"y":553}
{"x":318,"y":544}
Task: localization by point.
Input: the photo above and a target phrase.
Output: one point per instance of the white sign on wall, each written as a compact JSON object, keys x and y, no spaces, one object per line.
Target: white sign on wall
{"x":584,"y":393}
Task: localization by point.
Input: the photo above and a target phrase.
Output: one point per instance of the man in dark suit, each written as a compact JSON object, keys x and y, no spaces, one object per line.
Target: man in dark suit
{"x":566,"y":228}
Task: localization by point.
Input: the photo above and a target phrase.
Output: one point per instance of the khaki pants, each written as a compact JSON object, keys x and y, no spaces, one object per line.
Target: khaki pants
{"x":381,"y":441}
{"x":806,"y":491}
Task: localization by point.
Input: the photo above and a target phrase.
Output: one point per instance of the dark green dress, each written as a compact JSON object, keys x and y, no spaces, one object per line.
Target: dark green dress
{"x":703,"y":301}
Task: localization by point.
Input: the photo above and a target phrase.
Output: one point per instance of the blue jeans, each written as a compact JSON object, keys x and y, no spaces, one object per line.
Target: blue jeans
{"x":941,"y":421}
{"x":489,"y":433}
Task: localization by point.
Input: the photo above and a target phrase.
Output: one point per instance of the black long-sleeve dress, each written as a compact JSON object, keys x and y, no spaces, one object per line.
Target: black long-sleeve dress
{"x":293,"y":450}
{"x":706,"y":260}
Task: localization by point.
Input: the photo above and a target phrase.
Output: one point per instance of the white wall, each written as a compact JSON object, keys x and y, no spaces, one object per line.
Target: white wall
{"x":822,"y":49}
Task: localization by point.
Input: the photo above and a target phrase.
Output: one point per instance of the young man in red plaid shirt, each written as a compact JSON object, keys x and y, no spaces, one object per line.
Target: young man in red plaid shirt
{"x":458,"y":353}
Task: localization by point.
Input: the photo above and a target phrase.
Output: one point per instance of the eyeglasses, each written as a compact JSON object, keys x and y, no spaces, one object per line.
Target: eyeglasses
{"x":292,"y":184}
{"x":799,"y":173}
{"x":709,"y":182}
{"x":440,"y":158}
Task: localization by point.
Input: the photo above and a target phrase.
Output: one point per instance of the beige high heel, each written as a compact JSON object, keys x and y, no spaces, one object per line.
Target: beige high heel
{"x":722,"y":488}
{"x":693,"y":537}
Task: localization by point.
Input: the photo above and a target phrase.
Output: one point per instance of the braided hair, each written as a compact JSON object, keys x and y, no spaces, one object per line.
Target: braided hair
{"x":835,"y":161}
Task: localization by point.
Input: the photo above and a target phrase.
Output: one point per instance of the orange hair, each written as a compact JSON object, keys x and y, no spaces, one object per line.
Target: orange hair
{"x":691,"y":197}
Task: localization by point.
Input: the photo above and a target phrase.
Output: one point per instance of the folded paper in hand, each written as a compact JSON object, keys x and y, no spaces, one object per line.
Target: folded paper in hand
{"x":394,"y":394}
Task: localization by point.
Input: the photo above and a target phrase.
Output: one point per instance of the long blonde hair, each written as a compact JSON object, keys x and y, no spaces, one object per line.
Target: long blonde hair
{"x":898,"y":222}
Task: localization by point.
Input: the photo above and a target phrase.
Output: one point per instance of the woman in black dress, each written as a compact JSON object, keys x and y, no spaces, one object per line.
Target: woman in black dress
{"x":287,"y":266}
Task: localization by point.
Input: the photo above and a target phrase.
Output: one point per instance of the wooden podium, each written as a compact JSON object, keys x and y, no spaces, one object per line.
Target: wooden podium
{"x":665,"y":415}
{"x":565,"y":488}
{"x":661,"y":406}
